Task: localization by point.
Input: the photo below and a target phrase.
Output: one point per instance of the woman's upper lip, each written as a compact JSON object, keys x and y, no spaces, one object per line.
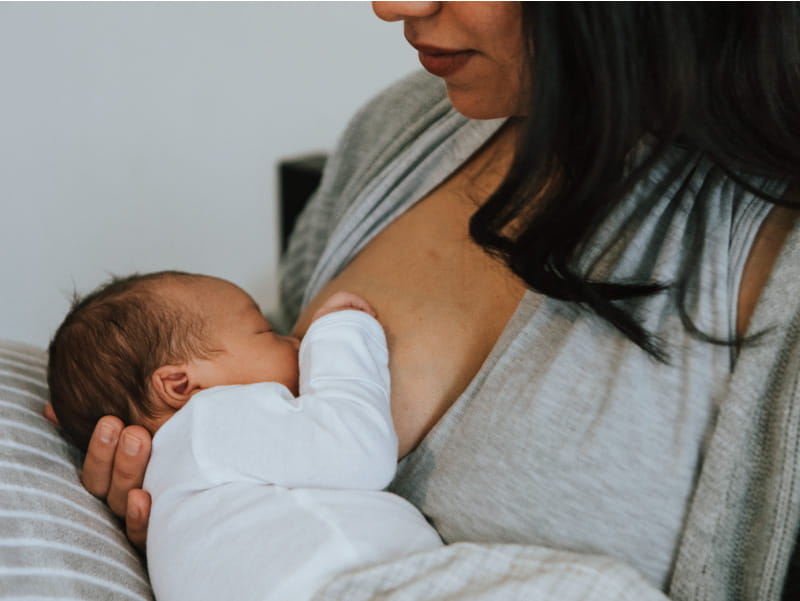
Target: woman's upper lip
{"x":435,"y":50}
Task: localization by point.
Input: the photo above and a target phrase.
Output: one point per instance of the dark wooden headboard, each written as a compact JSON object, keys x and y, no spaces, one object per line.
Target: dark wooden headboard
{"x":298,"y":177}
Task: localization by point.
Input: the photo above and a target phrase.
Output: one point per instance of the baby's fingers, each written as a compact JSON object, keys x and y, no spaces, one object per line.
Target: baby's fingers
{"x":356,"y":302}
{"x":341,"y":301}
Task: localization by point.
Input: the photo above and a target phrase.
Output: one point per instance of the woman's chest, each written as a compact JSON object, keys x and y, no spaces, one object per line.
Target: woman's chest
{"x":572,"y":438}
{"x":443,"y":303}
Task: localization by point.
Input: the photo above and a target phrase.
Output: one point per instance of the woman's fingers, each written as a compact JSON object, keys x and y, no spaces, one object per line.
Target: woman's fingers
{"x":130,"y":462}
{"x":99,"y":462}
{"x":137,"y":517}
{"x":50,"y":414}
{"x":114,"y":470}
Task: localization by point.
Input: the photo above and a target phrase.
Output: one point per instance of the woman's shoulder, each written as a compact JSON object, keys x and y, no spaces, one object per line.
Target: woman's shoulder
{"x":418,"y":85}
{"x":408,"y":99}
{"x":394,"y":117}
{"x":381,"y":131}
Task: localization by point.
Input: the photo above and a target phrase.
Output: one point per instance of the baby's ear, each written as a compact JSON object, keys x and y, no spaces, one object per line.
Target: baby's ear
{"x":172,"y":385}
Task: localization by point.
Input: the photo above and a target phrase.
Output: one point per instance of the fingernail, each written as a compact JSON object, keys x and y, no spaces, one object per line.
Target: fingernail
{"x":106,"y":433}
{"x":133,"y":512}
{"x":131,"y":445}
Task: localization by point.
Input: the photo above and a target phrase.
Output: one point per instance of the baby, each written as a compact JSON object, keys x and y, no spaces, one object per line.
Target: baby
{"x":269,"y":456}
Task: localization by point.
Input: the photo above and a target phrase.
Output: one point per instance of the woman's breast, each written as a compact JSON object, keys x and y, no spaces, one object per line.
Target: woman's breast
{"x":572,"y":438}
{"x":443,"y":303}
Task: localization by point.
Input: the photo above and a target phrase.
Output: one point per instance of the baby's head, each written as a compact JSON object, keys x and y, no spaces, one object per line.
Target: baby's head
{"x":139,"y":347}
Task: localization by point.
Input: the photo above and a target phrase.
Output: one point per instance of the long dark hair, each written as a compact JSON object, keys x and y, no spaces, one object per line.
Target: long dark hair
{"x":722,"y":79}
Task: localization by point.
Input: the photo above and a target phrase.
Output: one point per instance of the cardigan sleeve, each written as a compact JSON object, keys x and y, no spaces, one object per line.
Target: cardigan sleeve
{"x":470,"y":572}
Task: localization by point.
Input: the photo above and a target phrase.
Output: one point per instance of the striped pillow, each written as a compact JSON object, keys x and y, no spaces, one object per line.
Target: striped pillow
{"x":56,"y":540}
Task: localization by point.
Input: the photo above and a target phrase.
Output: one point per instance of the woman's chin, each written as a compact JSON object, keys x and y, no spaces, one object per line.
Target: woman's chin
{"x":481,"y":106}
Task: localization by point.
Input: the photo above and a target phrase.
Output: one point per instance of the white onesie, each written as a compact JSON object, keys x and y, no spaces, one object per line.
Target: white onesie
{"x":258,"y":495}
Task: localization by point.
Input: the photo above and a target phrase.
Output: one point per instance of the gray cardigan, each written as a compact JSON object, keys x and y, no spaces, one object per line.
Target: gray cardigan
{"x":744,"y":511}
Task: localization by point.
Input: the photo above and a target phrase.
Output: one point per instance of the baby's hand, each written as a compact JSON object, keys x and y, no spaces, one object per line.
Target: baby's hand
{"x":342,"y":301}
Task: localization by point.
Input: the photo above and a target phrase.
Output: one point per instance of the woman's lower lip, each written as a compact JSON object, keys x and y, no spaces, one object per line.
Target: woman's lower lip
{"x":443,"y":65}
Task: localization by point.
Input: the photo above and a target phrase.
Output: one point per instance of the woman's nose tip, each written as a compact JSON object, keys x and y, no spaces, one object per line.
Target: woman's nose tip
{"x":397,"y":11}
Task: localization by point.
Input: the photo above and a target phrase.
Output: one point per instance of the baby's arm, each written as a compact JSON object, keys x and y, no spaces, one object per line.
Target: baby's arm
{"x":345,"y":389}
{"x":337,"y":434}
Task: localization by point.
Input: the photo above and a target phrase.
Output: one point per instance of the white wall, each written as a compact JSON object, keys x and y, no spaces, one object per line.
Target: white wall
{"x":144,"y":136}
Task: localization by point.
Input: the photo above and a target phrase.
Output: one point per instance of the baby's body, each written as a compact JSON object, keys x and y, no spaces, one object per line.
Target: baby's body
{"x":258,"y":494}
{"x":269,"y":457}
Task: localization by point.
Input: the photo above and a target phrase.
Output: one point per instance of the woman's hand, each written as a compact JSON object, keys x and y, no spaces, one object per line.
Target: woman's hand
{"x":114,"y":471}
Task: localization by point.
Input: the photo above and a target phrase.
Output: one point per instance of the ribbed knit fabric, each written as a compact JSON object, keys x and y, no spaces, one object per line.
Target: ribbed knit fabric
{"x":570,"y":438}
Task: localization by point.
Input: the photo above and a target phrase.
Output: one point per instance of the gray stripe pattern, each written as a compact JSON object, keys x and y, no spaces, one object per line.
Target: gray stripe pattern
{"x":56,"y":540}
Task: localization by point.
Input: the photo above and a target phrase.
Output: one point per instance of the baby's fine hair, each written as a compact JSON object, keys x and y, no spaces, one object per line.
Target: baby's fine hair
{"x":110,"y":343}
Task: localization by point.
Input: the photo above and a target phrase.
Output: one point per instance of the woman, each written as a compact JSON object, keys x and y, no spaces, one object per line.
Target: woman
{"x":578,"y":386}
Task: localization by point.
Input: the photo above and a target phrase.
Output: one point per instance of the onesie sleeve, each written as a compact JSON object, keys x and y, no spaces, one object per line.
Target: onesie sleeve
{"x":337,"y":434}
